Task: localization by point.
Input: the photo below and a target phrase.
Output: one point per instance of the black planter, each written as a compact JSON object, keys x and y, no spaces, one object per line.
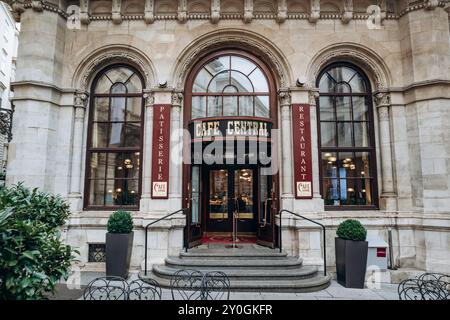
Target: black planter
{"x":118,"y":253}
{"x":351,"y":262}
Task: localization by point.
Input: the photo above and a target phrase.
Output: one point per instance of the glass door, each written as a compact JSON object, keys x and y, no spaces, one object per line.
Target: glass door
{"x":245,"y":197}
{"x":267,"y":204}
{"x":219,"y":213}
{"x":194,"y":208}
{"x":232,"y":194}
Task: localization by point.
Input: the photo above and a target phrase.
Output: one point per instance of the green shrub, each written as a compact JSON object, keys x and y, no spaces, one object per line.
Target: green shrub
{"x":351,"y":230}
{"x":32,"y":256}
{"x":120,"y":222}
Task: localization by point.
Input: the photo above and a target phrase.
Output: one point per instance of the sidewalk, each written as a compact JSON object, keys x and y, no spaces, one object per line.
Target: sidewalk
{"x":334,"y":292}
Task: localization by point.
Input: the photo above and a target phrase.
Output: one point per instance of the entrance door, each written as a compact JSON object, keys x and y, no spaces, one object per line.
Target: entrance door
{"x":193,"y":230}
{"x":232,"y":192}
{"x":267,"y":208}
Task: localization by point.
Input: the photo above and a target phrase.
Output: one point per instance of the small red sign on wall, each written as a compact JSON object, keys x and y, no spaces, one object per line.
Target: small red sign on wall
{"x":160,"y":151}
{"x":301,"y":129}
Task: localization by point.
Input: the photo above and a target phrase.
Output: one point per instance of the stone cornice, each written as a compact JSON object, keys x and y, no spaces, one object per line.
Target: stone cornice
{"x":182,"y":15}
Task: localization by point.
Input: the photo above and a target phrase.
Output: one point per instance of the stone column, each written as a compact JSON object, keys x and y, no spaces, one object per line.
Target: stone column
{"x":383,"y":102}
{"x":40,"y":150}
{"x":313,"y":95}
{"x":155,"y":207}
{"x":147,"y":150}
{"x":286,"y":149}
{"x":176,"y":155}
{"x":80,"y":101}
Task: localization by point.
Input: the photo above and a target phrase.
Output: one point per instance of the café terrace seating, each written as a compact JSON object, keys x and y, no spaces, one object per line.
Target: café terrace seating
{"x":185,"y":285}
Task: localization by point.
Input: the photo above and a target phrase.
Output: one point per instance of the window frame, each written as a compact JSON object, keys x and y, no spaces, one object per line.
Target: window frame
{"x":190,"y":93}
{"x":371,"y":149}
{"x":90,"y":150}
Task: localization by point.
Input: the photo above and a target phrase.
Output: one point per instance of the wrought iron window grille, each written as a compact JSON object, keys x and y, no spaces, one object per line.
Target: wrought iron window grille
{"x":6,"y":118}
{"x":97,"y":252}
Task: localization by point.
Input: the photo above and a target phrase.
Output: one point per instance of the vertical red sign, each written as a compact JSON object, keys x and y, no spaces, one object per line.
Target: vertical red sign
{"x":160,"y":151}
{"x":301,"y":128}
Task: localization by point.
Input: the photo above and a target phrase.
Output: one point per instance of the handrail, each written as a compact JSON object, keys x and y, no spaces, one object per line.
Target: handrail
{"x":152,"y":223}
{"x":315,"y":222}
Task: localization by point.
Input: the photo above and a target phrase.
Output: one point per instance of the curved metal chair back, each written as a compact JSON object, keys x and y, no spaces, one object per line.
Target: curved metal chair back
{"x":106,"y":288}
{"x":409,"y":289}
{"x":186,"y":284}
{"x":435,"y":286}
{"x":216,"y":286}
{"x":428,"y":286}
{"x":144,"y":290}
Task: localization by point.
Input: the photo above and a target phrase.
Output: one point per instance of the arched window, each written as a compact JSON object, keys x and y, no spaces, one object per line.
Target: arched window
{"x":230,"y":85}
{"x":114,"y":147}
{"x":346,"y":138}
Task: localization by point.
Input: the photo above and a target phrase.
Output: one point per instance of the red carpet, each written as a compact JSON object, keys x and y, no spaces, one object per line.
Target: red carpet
{"x":227,"y":239}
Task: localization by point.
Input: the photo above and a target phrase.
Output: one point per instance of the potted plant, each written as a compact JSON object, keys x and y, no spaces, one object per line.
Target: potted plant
{"x":351,"y":254}
{"x":119,"y":243}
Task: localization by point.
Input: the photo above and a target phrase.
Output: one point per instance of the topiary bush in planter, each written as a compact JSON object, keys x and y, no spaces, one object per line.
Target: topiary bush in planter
{"x":351,"y":230}
{"x":120,"y":222}
{"x":119,"y":244}
{"x":33,"y":257}
{"x":351,"y":254}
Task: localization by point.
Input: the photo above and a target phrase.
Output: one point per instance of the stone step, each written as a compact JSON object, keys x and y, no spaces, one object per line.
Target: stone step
{"x":233,"y":254}
{"x":316,"y":283}
{"x":305,"y":272}
{"x":184,"y":263}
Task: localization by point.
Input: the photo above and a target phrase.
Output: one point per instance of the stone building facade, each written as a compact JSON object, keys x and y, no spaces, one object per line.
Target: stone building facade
{"x":390,"y":58}
{"x":8,"y":53}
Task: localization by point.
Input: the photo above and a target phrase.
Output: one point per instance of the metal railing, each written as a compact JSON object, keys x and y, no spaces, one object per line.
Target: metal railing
{"x":315,"y":222}
{"x":152,"y":223}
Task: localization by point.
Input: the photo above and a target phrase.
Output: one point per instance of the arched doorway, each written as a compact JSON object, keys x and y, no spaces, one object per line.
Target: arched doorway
{"x":230,"y":183}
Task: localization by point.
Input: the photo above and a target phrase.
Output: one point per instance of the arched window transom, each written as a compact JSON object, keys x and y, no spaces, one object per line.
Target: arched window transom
{"x":114,"y":154}
{"x":230,"y":85}
{"x":346,"y":140}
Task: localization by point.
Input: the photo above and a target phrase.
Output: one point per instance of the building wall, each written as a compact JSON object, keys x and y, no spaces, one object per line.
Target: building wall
{"x":407,"y":60}
{"x":8,"y":53}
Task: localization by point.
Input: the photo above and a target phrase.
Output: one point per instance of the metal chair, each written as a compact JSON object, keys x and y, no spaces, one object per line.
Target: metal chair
{"x":186,"y":284}
{"x":409,"y":289}
{"x":106,"y":288}
{"x":216,"y":286}
{"x":147,"y":289}
{"x":428,"y":286}
{"x":435,"y":286}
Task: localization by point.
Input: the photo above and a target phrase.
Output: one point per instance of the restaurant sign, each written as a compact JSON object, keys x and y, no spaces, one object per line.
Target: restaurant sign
{"x":301,"y":128}
{"x":160,"y":151}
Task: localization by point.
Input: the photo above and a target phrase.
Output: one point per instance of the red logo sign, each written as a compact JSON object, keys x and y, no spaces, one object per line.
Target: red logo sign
{"x":161,"y":149}
{"x":301,"y":128}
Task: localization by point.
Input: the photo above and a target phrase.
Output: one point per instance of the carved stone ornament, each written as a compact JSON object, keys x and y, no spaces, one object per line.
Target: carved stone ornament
{"x":348,"y":11}
{"x":177,"y":98}
{"x":248,"y":11}
{"x":149,"y":15}
{"x":37,"y":5}
{"x":215,"y":11}
{"x":149,"y":98}
{"x":282,"y":13}
{"x":314,"y":16}
{"x":382,"y":99}
{"x":80,"y":99}
{"x":313,"y":95}
{"x":285,"y":97}
{"x":432,"y":4}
